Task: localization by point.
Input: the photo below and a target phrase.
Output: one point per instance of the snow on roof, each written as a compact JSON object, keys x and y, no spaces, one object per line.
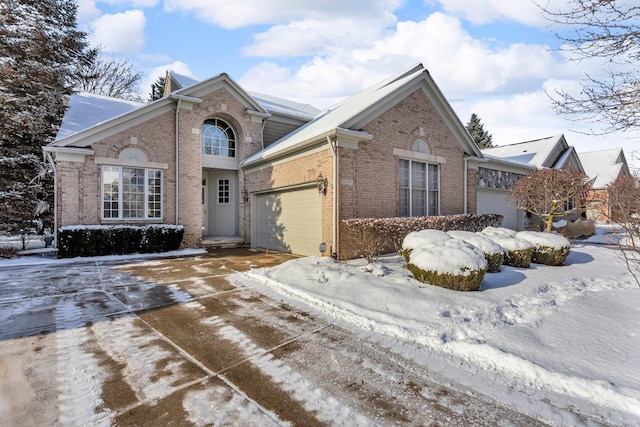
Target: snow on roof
{"x":182,"y":80}
{"x":603,"y":166}
{"x":274,"y":104}
{"x":534,"y":152}
{"x":339,"y":115}
{"x":86,"y":110}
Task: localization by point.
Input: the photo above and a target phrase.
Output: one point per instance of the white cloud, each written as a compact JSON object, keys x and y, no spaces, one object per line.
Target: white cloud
{"x":87,"y":10}
{"x":134,"y":3}
{"x":151,"y":75}
{"x":486,"y":11}
{"x":237,"y":14}
{"x":119,"y":32}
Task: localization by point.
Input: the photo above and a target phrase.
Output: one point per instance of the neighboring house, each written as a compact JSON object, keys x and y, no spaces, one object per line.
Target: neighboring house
{"x":603,"y":168}
{"x":504,"y":165}
{"x":281,"y":175}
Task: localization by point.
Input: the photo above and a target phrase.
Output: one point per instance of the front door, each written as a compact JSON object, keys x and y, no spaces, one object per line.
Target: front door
{"x":222,"y":203}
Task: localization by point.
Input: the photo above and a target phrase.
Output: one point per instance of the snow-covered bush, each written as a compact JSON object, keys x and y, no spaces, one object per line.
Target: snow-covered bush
{"x":498,"y":232}
{"x":98,"y":240}
{"x":415,"y":239}
{"x":517,"y":252}
{"x":493,"y":252}
{"x":452,"y":264}
{"x":548,"y":248}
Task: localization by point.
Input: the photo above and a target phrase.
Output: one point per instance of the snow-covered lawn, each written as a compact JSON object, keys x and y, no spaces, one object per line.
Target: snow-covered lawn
{"x":558,"y":343}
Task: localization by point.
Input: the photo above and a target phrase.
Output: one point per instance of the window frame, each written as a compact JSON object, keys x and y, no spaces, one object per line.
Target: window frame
{"x":228,"y":131}
{"x":152,"y":193}
{"x":411,"y":192}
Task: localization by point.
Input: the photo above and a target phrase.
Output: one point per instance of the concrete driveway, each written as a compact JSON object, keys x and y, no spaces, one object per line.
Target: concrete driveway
{"x":175,"y":342}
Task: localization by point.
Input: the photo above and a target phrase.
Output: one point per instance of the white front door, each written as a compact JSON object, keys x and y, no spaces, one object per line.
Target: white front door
{"x":222,"y":204}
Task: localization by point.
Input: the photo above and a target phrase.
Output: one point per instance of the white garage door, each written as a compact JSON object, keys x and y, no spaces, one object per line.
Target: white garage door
{"x":499,"y":202}
{"x":288,"y":221}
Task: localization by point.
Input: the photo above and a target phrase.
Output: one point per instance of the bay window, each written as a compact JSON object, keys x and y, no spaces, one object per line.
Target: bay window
{"x":131,"y":193}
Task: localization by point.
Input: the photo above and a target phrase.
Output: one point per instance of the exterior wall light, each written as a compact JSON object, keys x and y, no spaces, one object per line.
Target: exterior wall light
{"x":323,"y":184}
{"x":245,"y":195}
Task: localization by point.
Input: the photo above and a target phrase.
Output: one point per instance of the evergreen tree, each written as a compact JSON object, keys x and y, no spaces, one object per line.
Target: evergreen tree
{"x":477,"y":132}
{"x":157,"y":89}
{"x":40,"y":49}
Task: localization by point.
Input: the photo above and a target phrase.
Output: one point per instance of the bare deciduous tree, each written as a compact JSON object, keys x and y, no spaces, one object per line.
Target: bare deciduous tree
{"x":624,"y":203}
{"x":608,"y":30}
{"x":109,"y":77}
{"x":547,"y":192}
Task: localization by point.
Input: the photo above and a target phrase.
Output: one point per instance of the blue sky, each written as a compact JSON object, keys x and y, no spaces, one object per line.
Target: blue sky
{"x":495,"y":58}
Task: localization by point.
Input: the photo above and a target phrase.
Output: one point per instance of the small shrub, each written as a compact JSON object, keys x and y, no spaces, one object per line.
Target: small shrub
{"x":548,"y":248}
{"x":550,"y":256}
{"x":451,"y":264}
{"x":7,"y":251}
{"x":518,"y":258}
{"x":97,"y":240}
{"x":470,"y":282}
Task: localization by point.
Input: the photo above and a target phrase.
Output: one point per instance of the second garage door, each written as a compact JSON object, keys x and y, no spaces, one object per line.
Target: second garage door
{"x":499,"y":202}
{"x":288,"y":221}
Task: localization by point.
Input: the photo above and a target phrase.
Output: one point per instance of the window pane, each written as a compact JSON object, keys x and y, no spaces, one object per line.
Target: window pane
{"x":110,"y":177}
{"x":434,"y":193}
{"x":132,"y":193}
{"x":224,"y":193}
{"x":403,"y":202}
{"x":218,"y":139}
{"x":418,"y":175}
{"x":154,"y":193}
{"x":418,"y":202}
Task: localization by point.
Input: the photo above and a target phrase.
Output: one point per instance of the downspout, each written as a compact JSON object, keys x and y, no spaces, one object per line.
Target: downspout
{"x":334,"y":152}
{"x":177,"y":159}
{"x":464,"y":186}
{"x":55,"y":198}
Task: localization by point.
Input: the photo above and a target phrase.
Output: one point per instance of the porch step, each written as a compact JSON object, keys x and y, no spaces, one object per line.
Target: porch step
{"x":213,"y":242}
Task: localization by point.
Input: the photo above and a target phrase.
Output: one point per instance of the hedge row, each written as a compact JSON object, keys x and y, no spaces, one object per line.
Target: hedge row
{"x":98,"y":240}
{"x":370,"y":237}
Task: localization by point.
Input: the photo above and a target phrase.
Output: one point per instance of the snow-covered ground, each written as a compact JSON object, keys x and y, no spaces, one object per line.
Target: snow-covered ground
{"x":557,"y":343}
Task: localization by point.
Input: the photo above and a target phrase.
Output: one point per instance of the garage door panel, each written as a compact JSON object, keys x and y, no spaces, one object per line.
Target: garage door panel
{"x":289,"y":221}
{"x":500,"y":202}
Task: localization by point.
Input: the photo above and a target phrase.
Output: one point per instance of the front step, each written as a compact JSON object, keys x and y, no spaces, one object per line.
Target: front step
{"x":210,"y":242}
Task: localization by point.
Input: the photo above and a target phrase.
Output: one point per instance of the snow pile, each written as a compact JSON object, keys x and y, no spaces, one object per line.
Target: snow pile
{"x":498,"y":232}
{"x":415,"y":239}
{"x":538,"y":239}
{"x":453,"y":256}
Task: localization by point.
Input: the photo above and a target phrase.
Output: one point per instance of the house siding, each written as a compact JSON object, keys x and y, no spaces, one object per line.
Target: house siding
{"x":373,"y":168}
{"x":79,"y":192}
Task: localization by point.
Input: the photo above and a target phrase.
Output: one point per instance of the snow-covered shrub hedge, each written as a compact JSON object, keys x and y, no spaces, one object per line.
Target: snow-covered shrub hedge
{"x":390,"y":232}
{"x":415,"y":239}
{"x":517,"y":252}
{"x":452,"y":264}
{"x":548,"y":248}
{"x":98,"y":240}
{"x":493,"y":252}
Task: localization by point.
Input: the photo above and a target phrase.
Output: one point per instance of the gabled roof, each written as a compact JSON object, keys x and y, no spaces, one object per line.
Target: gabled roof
{"x":88,"y":136}
{"x":603,"y":167}
{"x":269,"y":103}
{"x":85,"y":110}
{"x":352,"y":114}
{"x":551,"y":152}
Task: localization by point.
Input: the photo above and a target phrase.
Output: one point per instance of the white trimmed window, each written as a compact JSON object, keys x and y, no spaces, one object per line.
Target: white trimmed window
{"x":218,"y":138}
{"x":418,"y":188}
{"x":131,"y":193}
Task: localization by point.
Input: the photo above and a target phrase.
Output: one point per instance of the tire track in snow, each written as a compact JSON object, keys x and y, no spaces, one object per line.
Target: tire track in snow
{"x":314,"y":399}
{"x":80,"y":377}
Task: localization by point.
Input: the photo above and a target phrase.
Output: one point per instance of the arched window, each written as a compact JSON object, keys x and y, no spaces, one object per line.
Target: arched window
{"x":133,"y":155}
{"x":218,"y":138}
{"x":420,"y":146}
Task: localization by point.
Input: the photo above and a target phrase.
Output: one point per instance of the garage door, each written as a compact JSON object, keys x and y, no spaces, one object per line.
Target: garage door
{"x":288,"y":221}
{"x":499,"y":202}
